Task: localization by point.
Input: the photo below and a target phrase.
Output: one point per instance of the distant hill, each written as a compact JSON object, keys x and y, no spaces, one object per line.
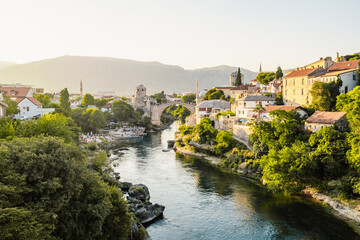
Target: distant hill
{"x":119,"y":75}
{"x":6,"y":64}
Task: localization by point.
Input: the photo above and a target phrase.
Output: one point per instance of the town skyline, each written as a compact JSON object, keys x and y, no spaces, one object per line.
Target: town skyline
{"x":188,"y":34}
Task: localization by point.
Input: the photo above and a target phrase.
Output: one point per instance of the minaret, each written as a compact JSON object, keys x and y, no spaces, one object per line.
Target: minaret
{"x":81,"y":89}
{"x":260,"y":68}
{"x":197,"y":92}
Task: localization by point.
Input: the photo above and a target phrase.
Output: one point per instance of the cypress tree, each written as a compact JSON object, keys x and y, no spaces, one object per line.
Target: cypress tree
{"x":238,"y":78}
{"x":279,"y":73}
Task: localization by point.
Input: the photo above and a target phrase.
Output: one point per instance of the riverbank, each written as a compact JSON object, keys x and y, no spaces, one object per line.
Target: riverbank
{"x":338,"y":209}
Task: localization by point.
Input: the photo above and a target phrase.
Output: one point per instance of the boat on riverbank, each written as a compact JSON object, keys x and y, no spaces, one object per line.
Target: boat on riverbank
{"x":128,"y":132}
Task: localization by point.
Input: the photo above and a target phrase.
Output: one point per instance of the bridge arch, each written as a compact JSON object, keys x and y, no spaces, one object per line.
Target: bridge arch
{"x":157,"y":110}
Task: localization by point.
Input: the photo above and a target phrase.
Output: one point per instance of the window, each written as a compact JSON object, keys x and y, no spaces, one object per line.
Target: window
{"x":27,"y":108}
{"x":354,"y":77}
{"x":346,"y":89}
{"x":294,"y":81}
{"x":285,"y":82}
{"x":285,"y":92}
{"x":294,"y":92}
{"x":302,"y":91}
{"x":302,"y":81}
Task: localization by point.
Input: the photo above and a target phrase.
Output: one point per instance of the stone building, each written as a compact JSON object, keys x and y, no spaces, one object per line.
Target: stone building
{"x":320,"y":120}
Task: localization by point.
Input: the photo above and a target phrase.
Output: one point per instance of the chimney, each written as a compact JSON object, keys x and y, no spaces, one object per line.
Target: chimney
{"x":337,"y":55}
{"x":321,"y":58}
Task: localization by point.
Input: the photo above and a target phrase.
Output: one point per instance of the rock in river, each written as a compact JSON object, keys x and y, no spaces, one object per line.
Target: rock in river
{"x":139,"y":191}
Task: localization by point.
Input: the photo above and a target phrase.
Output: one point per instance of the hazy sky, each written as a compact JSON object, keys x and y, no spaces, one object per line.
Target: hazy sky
{"x":189,"y":33}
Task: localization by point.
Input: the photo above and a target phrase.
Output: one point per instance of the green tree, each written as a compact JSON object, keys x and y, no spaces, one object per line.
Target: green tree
{"x":205,"y":133}
{"x":238,"y":78}
{"x":213,"y":94}
{"x":12,"y":108}
{"x":44,"y":100}
{"x":65,"y":102}
{"x":100,"y":102}
{"x":225,"y":142}
{"x":75,"y":205}
{"x":279,"y":99}
{"x":50,"y":125}
{"x":324,"y":95}
{"x":354,"y":56}
{"x":189,"y":98}
{"x":279,"y":73}
{"x":123,"y":111}
{"x":90,"y":119}
{"x":265,"y":77}
{"x":87,"y":100}
{"x":160,"y":97}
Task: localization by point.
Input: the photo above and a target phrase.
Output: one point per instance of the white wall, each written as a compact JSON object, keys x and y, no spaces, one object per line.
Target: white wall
{"x":348,"y":81}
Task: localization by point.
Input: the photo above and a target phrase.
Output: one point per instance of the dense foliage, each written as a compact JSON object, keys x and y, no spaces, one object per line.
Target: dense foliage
{"x":12,"y":108}
{"x":324,"y":95}
{"x":354,"y":56}
{"x":65,"y":102}
{"x":175,"y":112}
{"x":213,"y":94}
{"x":189,"y":98}
{"x":265,"y":77}
{"x":89,"y":119}
{"x":51,"y":189}
{"x":160,"y":97}
{"x":279,"y":99}
{"x":87,"y":100}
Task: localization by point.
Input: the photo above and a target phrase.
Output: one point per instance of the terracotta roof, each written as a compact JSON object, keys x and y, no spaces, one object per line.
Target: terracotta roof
{"x":299,"y":73}
{"x":282,"y":107}
{"x":31,"y":99}
{"x":277,"y":85}
{"x":344,"y":65}
{"x":325,"y":117}
{"x":108,"y":105}
{"x":241,"y":87}
{"x":19,"y":91}
{"x":335,"y":73}
{"x":254,"y":80}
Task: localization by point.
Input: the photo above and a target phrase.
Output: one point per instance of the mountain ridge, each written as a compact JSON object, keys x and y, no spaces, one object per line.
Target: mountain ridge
{"x":115,"y":74}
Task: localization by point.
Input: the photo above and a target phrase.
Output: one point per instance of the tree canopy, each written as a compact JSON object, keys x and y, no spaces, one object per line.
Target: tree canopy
{"x":12,"y":108}
{"x":87,"y":100}
{"x":189,"y":98}
{"x":265,"y":77}
{"x":213,"y":94}
{"x":279,"y":73}
{"x":65,"y":102}
{"x":324,"y":95}
{"x":160,"y":97}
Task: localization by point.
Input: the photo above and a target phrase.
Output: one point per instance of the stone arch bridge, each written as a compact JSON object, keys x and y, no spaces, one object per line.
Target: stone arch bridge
{"x":157,"y":110}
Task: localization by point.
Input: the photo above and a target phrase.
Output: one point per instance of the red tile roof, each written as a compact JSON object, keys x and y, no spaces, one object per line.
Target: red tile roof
{"x":31,"y":99}
{"x":241,"y":87}
{"x":285,"y":108}
{"x":19,"y":91}
{"x":325,"y":117}
{"x":299,"y":73}
{"x":344,"y":65}
{"x":277,"y":85}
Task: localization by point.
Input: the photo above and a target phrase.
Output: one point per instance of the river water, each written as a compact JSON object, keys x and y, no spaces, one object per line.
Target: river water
{"x":204,"y":203}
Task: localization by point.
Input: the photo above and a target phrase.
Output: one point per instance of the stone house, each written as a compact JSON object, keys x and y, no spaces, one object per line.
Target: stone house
{"x":210,"y":109}
{"x":246,"y":105}
{"x":320,"y":120}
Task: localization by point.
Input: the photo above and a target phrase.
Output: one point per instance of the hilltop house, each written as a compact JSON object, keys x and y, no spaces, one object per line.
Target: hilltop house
{"x":246,"y":105}
{"x":320,"y":120}
{"x":30,"y":107}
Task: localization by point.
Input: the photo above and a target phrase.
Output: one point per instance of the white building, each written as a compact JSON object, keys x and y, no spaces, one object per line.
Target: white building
{"x":30,"y":107}
{"x":346,"y":71}
{"x":3,"y":106}
{"x":247,"y":104}
{"x":210,"y":109}
{"x":172,"y":98}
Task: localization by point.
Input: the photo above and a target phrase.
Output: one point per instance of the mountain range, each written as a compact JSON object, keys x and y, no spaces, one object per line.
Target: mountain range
{"x":113,"y":74}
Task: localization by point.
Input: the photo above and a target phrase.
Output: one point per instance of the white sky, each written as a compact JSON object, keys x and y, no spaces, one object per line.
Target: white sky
{"x":189,"y":33}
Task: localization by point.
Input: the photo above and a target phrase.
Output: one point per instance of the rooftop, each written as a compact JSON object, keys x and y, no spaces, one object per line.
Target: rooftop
{"x":18,"y":91}
{"x":31,"y":99}
{"x":256,"y":98}
{"x":242,"y":87}
{"x":303,"y":72}
{"x":281,"y":107}
{"x":325,"y":117}
{"x":346,"y":65}
{"x":220,"y":104}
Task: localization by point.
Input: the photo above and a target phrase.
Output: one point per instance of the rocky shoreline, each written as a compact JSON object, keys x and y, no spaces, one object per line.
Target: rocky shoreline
{"x":338,"y":209}
{"x":145,"y":212}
